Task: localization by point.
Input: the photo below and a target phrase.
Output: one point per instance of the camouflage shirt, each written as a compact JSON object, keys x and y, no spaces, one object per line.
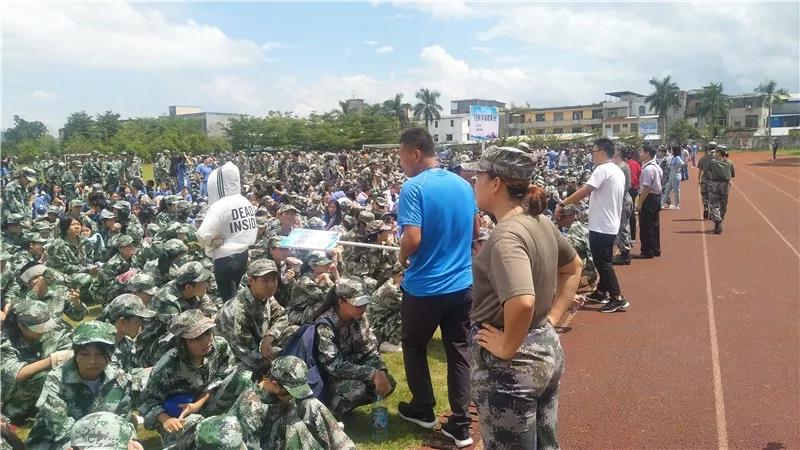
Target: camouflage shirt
{"x":306,"y":301}
{"x":348,"y":352}
{"x":68,"y":258}
{"x":15,"y":200}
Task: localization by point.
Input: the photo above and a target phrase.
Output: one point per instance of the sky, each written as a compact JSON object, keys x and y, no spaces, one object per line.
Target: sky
{"x":138,"y":58}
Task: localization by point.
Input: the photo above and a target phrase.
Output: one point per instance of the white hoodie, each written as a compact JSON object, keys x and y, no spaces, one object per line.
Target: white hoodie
{"x":230,"y":217}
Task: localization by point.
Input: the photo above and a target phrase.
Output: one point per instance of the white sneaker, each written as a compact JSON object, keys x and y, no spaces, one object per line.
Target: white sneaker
{"x":387,"y":347}
{"x":341,"y":425}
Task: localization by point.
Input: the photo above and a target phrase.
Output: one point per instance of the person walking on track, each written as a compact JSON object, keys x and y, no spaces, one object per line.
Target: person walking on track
{"x":648,"y":204}
{"x":720,"y":173}
{"x":702,"y":169}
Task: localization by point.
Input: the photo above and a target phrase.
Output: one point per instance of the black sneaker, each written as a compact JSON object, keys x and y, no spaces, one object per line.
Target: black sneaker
{"x":717,"y":227}
{"x":616,"y":305}
{"x":597,"y":297}
{"x":622,"y":260}
{"x":705,"y":214}
{"x":458,"y":433}
{"x":425,"y":420}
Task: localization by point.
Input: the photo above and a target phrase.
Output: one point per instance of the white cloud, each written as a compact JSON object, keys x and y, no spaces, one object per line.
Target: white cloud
{"x":233,"y":91}
{"x":384,"y":49}
{"x":43,"y":95}
{"x":447,"y":10}
{"x":483,"y":50}
{"x":370,"y":43}
{"x":273,"y":46}
{"x":116,"y":35}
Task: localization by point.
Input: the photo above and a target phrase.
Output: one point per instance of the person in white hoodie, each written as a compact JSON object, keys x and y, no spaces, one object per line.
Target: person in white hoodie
{"x":229,"y":228}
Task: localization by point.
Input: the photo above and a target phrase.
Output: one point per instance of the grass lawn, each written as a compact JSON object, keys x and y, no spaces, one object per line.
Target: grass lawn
{"x":147,"y":172}
{"x":781,"y":151}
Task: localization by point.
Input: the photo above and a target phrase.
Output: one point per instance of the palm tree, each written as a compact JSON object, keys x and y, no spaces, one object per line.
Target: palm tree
{"x":714,"y":107}
{"x":665,"y":97}
{"x":394,"y":107}
{"x":773,"y":96}
{"x":344,"y":108}
{"x":427,"y":107}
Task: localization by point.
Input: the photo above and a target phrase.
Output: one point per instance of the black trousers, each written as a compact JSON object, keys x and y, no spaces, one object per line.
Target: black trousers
{"x":634,"y":193}
{"x":650,"y":225}
{"x":420,"y":317}
{"x":602,"y":247}
{"x":228,"y":272}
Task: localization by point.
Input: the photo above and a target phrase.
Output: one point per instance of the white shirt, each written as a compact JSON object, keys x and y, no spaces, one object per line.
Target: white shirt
{"x":605,"y":202}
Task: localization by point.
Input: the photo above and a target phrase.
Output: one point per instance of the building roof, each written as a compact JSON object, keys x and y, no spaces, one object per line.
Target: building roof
{"x":621,"y":93}
{"x":555,"y":108}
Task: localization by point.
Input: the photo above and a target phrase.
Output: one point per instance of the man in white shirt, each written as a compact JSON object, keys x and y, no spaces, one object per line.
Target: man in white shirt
{"x":606,"y":188}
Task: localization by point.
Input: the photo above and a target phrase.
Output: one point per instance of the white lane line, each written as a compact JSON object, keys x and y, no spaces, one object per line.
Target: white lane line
{"x":719,"y":398}
{"x":772,"y":185}
{"x":786,"y":241}
{"x":779,"y":173}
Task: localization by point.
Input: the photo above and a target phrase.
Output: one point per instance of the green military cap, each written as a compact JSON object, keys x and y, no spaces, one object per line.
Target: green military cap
{"x":352,"y":290}
{"x":152,"y":229}
{"x":31,"y":238}
{"x":106,"y":214}
{"x":53,"y":209}
{"x":15,"y":218}
{"x":141,"y":282}
{"x":366,"y":217}
{"x":261,"y":267}
{"x":274,"y":241}
{"x":124,"y":240}
{"x":94,"y":331}
{"x":122,"y":205}
{"x":190,"y":324}
{"x":381,"y":201}
{"x":127,"y":305}
{"x":262,"y":221}
{"x":32,"y":272}
{"x":505,"y":161}
{"x":182,"y":205}
{"x":80,"y":280}
{"x":34,"y":315}
{"x":291,"y":373}
{"x":192,"y":272}
{"x":76,"y":163}
{"x":316,"y":223}
{"x":75,"y":202}
{"x":349,"y":220}
{"x":219,"y":433}
{"x":375,"y":227}
{"x":318,"y":258}
{"x":101,"y":431}
{"x":397,"y":268}
{"x":287,"y":208}
{"x":28,"y":173}
{"x":175,"y":246}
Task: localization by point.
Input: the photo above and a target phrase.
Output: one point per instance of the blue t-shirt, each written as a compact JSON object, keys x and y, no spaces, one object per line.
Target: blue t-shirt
{"x":443,"y":205}
{"x":204,"y":172}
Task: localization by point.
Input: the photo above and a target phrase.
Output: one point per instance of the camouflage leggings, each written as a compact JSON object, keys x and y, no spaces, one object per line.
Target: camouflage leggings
{"x":344,"y":395}
{"x":704,"y":192}
{"x":517,"y":400}
{"x":718,"y":200}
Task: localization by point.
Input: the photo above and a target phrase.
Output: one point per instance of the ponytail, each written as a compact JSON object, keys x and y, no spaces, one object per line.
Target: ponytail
{"x":532,"y":197}
{"x":536,"y":200}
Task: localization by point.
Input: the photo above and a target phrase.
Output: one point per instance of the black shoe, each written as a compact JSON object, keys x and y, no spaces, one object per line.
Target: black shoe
{"x":705,"y":214}
{"x":616,"y":305}
{"x":424,"y":419}
{"x":598,"y":297}
{"x":458,"y":433}
{"x":657,"y":254}
{"x":622,"y":260}
{"x":717,"y":227}
{"x":644,"y":256}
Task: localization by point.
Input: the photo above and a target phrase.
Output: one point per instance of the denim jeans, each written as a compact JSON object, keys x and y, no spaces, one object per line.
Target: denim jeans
{"x":673,"y":186}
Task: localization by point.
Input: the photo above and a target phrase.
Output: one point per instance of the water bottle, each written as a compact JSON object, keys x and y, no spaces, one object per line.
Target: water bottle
{"x":380,"y":420}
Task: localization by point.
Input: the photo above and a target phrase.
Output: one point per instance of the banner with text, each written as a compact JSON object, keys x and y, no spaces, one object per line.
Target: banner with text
{"x":484,"y":123}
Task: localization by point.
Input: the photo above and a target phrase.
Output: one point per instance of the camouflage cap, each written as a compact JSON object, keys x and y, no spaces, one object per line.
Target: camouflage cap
{"x":15,"y":218}
{"x":483,"y":235}
{"x":349,"y":220}
{"x":34,"y":315}
{"x":262,"y":221}
{"x":5,"y":255}
{"x":75,"y":202}
{"x":288,"y":208}
{"x":175,"y":246}
{"x":318,"y":258}
{"x":192,"y":272}
{"x":124,"y":240}
{"x":80,"y":280}
{"x":182,"y":205}
{"x":570,"y":210}
{"x":122,"y":205}
{"x":291,"y":372}
{"x":366,"y":217}
{"x":106,"y":214}
{"x":316,"y":223}
{"x":141,"y":282}
{"x":127,"y":305}
{"x":190,"y":324}
{"x":397,"y":268}
{"x":32,"y":272}
{"x":261,"y":267}
{"x":28,"y":173}
{"x":353,"y":290}
{"x":101,"y":431}
{"x":94,"y":331}
{"x":53,"y":209}
{"x":375,"y":227}
{"x":505,"y":161}
{"x":219,"y":433}
{"x":274,"y":241}
{"x":42,"y":226}
{"x":34,"y":238}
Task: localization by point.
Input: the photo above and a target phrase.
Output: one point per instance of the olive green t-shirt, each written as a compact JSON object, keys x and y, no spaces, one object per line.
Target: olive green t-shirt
{"x":704,"y":163}
{"x":521,"y":257}
{"x":721,"y":170}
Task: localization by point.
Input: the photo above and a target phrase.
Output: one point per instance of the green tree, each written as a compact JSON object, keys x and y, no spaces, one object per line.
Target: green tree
{"x":78,"y":124}
{"x":344,"y":108}
{"x":107,"y":125}
{"x":428,"y":107}
{"x":22,"y":131}
{"x":681,"y":131}
{"x":772,"y":96}
{"x":714,"y":106}
{"x":664,"y":98}
{"x":394,"y":107}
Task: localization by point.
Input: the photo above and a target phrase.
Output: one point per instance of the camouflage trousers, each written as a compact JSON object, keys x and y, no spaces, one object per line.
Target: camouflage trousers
{"x":344,"y":395}
{"x":517,"y":399}
{"x":387,"y":326}
{"x":20,"y":402}
{"x":718,"y":200}
{"x":624,"y":234}
{"x":704,"y":193}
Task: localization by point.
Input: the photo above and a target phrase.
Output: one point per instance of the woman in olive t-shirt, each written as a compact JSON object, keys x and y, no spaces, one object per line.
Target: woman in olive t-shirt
{"x":525,"y":278}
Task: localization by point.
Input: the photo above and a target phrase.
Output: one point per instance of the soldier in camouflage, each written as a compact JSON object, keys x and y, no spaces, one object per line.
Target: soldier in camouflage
{"x":103,"y":430}
{"x":578,"y":235}
{"x":384,"y":312}
{"x":106,"y":287}
{"x":310,"y":290}
{"x":68,"y":253}
{"x":86,"y":383}
{"x":59,"y":299}
{"x":720,"y":172}
{"x":16,"y":194}
{"x":143,"y":286}
{"x":130,"y":223}
{"x":10,"y":290}
{"x":219,"y":433}
{"x":14,"y":231}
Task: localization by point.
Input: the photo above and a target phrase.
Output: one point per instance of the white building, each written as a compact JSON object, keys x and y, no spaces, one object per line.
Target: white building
{"x":212,"y":123}
{"x":453,"y":129}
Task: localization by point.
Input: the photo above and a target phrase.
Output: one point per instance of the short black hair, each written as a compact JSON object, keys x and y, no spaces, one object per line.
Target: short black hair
{"x":606,"y":145}
{"x":418,"y":138}
{"x":649,"y":149}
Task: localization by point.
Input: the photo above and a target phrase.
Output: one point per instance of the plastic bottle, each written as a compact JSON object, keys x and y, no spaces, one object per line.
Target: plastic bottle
{"x":380,"y":420}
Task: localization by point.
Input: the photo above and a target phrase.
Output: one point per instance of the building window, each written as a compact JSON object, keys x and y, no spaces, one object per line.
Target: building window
{"x":611,"y":114}
{"x":435,"y":124}
{"x":608,"y":126}
{"x":615,"y":128}
{"x":624,"y":125}
{"x":577,"y":130}
{"x":558,"y":116}
{"x":540,"y":117}
{"x":522,"y":132}
{"x":577,"y":115}
{"x":750,"y":121}
{"x":435,"y":138}
{"x":449,"y":137}
{"x":558,"y":131}
{"x":467,"y":122}
{"x":641,"y":110}
{"x":452,"y":123}
{"x":539,"y":131}
{"x":597,"y":114}
{"x":634,"y":128}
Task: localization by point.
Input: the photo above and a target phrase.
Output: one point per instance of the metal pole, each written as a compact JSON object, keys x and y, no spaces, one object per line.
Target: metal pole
{"x":374,"y":246}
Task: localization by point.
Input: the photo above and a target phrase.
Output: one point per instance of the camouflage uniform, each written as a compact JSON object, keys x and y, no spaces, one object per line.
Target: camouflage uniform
{"x":15,"y":197}
{"x":106,"y":287}
{"x":130,"y":223}
{"x":65,"y":398}
{"x":384,"y":313}
{"x":174,"y":374}
{"x":57,"y":297}
{"x":10,"y":291}
{"x":517,"y":400}
{"x":219,"y":433}
{"x":578,"y":236}
{"x":102,"y":430}
{"x":161,"y":169}
{"x":720,"y":173}
{"x":68,"y":258}
{"x":19,"y":397}
{"x":704,"y":165}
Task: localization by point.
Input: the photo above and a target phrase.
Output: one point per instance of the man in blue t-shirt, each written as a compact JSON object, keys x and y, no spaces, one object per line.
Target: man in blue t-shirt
{"x":438,"y":216}
{"x":205,"y":169}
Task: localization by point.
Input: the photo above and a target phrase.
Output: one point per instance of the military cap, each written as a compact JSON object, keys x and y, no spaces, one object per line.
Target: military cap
{"x":366,"y":217}
{"x":318,"y":258}
{"x":219,"y":433}
{"x":397,"y":268}
{"x":483,"y":235}
{"x":152,"y":228}
{"x":375,"y":227}
{"x":101,"y":431}
{"x":15,"y":218}
{"x":32,"y":272}
{"x":5,"y":255}
{"x":291,"y":373}
{"x":76,"y":163}
{"x":287,"y":208}
{"x":106,"y":214}
{"x":570,"y":210}
{"x":28,"y":173}
{"x":124,"y":240}
{"x":505,"y":161}
{"x":316,"y":223}
{"x":141,"y":282}
{"x":524,"y":147}
{"x":261,"y":267}
{"x":182,"y":205}
{"x":53,"y":209}
{"x":94,"y":331}
{"x":381,"y":201}
{"x":192,"y":272}
{"x":352,"y":290}
{"x":80,"y":280}
{"x":175,"y":246}
{"x":75,"y":202}
{"x":274,"y":241}
{"x":262,"y":221}
{"x":32,"y":238}
{"x":127,"y":305}
{"x":34,"y":315}
{"x":190,"y":324}
{"x":711,"y":145}
{"x":122,"y":205}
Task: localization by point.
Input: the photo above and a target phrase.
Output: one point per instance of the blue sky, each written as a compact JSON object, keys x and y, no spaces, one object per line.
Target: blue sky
{"x":139,"y":58}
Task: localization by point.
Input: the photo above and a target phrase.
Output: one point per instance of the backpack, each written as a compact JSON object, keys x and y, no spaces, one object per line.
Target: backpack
{"x":303,"y":344}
